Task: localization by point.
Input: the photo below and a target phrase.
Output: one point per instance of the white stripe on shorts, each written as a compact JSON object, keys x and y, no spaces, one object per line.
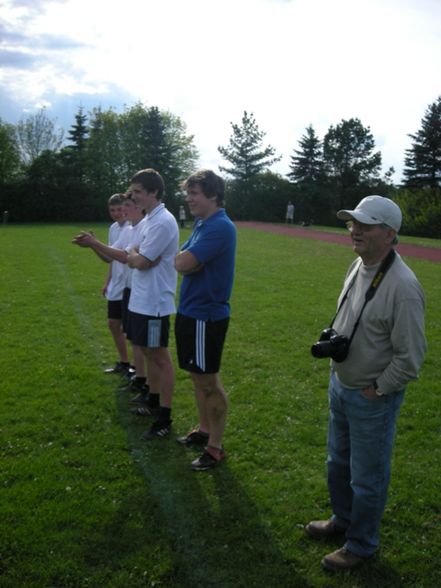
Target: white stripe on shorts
{"x":154,"y":333}
{"x":200,"y":345}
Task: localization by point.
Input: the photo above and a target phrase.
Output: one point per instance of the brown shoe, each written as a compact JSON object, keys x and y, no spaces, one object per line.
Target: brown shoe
{"x":342,"y":559}
{"x":324,"y":529}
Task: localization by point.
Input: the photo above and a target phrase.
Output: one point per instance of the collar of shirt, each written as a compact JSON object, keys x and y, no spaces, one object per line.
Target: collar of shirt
{"x":155,"y":211}
{"x":201,"y":221}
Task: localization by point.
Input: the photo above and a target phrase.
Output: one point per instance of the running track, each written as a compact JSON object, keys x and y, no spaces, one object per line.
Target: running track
{"x":427,"y":253}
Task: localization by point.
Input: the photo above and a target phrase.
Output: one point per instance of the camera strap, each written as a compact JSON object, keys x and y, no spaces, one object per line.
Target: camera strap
{"x":376,"y":281}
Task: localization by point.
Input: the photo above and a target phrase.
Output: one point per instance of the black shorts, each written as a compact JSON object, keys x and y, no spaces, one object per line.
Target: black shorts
{"x":125,"y":309}
{"x":114,"y":309}
{"x":200,"y":344}
{"x":148,"y":331}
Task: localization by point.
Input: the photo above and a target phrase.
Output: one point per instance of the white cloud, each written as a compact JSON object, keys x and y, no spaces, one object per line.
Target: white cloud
{"x":290,"y":62}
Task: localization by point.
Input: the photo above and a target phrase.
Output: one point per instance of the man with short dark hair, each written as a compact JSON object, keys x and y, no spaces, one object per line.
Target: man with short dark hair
{"x":381,"y":315}
{"x":152,"y":296}
{"x":206,"y":261}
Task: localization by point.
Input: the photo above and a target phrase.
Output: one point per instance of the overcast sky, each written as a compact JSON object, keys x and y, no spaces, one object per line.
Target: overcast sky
{"x":290,"y":62}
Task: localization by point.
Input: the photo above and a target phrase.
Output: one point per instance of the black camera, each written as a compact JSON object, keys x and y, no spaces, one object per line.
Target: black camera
{"x":331,"y":344}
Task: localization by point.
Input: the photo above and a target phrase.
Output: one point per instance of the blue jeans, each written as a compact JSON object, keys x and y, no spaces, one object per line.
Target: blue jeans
{"x":360,"y":440}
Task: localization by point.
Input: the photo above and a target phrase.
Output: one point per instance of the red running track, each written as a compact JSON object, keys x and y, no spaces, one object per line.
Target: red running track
{"x":427,"y":253}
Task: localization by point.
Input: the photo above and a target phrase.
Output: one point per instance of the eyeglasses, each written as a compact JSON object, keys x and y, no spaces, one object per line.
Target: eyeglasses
{"x":360,"y":226}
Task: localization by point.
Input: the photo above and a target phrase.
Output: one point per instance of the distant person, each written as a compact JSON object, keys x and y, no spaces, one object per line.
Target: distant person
{"x":380,"y":316}
{"x":182,"y":216}
{"x":206,"y":262}
{"x":152,"y":296}
{"x":290,"y":213}
{"x":114,"y":286}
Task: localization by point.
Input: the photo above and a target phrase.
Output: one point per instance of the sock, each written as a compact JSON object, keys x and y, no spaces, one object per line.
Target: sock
{"x":215,"y":452}
{"x":164,"y":414}
{"x":153,"y":400}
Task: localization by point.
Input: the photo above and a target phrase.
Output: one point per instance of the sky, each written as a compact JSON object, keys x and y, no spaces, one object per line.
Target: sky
{"x":291,"y":63}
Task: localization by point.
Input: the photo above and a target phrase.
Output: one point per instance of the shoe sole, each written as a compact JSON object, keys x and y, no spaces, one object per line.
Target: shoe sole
{"x":317,"y":535}
{"x":198,"y":468}
{"x":330,"y":567}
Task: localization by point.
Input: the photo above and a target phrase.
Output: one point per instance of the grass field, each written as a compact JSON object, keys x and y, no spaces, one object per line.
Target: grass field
{"x":83,"y":502}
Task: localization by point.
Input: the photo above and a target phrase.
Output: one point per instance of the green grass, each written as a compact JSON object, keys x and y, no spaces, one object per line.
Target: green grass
{"x":84,"y":503}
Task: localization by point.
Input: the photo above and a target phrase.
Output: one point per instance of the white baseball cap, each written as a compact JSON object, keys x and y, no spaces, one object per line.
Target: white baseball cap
{"x":374,"y":210}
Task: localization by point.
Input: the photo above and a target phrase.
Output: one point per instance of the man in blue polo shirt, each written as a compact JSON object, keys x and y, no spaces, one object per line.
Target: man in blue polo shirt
{"x":206,"y":261}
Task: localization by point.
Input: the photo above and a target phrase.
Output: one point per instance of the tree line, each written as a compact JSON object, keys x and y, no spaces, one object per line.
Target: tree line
{"x":47,"y":177}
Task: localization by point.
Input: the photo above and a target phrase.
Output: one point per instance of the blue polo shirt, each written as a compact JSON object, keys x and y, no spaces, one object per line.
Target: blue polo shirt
{"x":205,"y":294}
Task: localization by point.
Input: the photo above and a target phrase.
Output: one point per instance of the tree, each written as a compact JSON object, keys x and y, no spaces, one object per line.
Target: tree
{"x":106,"y":172}
{"x":270,"y":195}
{"x":423,"y":160}
{"x":245,"y":151}
{"x":37,"y":133}
{"x":78,"y":132}
{"x":350,"y":163}
{"x":158,"y":139}
{"x":47,"y":197}
{"x":9,"y":152}
{"x":75,"y":152}
{"x":307,"y":163}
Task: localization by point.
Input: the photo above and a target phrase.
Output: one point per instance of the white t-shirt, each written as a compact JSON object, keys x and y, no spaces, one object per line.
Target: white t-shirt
{"x":115,"y":287}
{"x":153,"y":290}
{"x":129,"y":238}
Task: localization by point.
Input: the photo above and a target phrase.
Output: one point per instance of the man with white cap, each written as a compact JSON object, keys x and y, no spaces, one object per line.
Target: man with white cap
{"x":381,"y":344}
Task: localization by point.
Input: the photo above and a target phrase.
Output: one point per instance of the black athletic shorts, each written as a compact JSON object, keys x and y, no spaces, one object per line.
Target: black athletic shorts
{"x":114,"y":309}
{"x":148,"y":331}
{"x":200,"y":344}
{"x":125,"y":308}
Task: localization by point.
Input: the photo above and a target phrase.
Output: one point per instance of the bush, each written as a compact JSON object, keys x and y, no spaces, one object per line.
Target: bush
{"x":421,"y":210}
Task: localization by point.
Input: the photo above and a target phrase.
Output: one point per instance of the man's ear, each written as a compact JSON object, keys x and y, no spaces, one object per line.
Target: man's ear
{"x":391,"y":235}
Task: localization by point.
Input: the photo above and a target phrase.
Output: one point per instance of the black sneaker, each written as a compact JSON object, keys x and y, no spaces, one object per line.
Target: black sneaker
{"x":195,"y":437}
{"x":206,"y":461}
{"x":140,"y":398}
{"x":158,"y":429}
{"x":119,"y":368}
{"x":145,"y":410}
{"x":134,"y":386}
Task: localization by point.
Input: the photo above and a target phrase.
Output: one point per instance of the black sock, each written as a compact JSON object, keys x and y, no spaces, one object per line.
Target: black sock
{"x":153,"y":400}
{"x":164,"y":414}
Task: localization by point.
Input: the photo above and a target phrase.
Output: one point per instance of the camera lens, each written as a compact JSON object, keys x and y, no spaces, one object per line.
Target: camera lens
{"x":321,"y":349}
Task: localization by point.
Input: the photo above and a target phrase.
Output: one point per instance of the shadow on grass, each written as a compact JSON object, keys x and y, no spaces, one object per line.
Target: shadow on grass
{"x":214,"y":530}
{"x":200,"y":529}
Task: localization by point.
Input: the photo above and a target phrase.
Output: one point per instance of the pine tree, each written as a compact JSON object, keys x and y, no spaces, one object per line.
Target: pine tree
{"x":307,"y":163}
{"x":79,"y":131}
{"x":423,"y":160}
{"x":245,"y":151}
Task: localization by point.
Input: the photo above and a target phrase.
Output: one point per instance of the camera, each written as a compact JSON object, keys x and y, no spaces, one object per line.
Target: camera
{"x":331,"y":344}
